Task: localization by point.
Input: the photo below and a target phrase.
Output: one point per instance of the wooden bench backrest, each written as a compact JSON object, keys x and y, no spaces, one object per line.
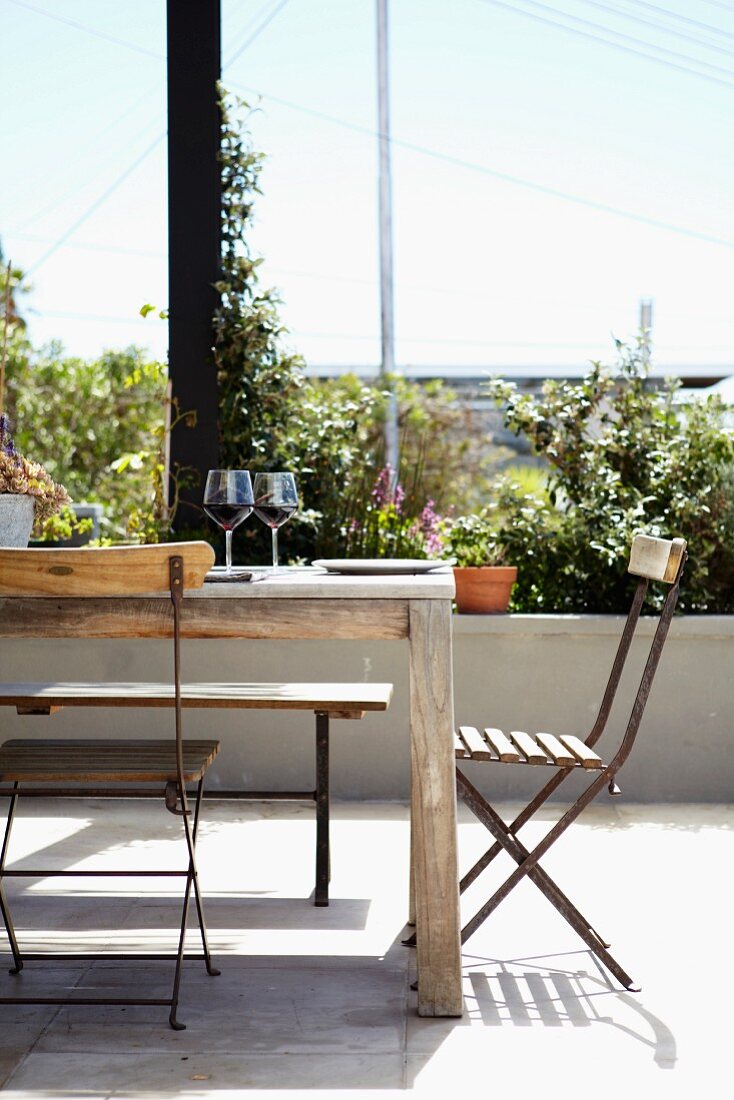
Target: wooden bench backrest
{"x":656,"y":559}
{"x":107,"y":571}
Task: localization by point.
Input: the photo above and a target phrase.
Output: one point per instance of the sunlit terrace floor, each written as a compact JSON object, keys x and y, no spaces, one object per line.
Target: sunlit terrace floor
{"x":320,"y":998}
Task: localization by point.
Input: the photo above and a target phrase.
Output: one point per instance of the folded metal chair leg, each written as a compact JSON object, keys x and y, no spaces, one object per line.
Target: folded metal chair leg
{"x":522,"y":818}
{"x":211,"y":969}
{"x":4,"y":907}
{"x":527,"y":866}
{"x":486,"y":814}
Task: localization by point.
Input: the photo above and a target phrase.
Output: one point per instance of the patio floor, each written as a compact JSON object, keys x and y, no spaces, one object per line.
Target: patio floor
{"x":320,"y":998}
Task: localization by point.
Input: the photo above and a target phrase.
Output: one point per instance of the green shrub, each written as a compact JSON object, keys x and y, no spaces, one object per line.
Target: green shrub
{"x":623,"y":457}
{"x":97,"y":423}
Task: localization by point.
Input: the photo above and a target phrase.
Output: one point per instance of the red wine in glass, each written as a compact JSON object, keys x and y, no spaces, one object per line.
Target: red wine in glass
{"x":276,"y":499}
{"x":228,"y":500}
{"x":228,"y":516}
{"x":274,"y":515}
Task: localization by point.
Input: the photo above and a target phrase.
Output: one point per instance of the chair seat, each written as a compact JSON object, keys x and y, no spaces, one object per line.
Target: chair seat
{"x":111,"y":761}
{"x":522,"y":748}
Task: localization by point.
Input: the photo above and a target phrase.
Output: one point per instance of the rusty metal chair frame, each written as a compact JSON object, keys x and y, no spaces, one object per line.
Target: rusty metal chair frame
{"x":505,"y":836}
{"x":177,"y":802}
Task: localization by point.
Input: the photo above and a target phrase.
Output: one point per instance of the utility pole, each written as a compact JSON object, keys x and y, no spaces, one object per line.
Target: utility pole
{"x":387,"y":310}
{"x":645,"y":326}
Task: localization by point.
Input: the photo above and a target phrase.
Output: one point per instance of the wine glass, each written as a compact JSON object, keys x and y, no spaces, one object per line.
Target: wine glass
{"x":276,"y":499}
{"x":228,"y":500}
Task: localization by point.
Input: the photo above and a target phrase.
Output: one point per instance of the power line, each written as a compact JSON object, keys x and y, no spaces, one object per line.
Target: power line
{"x":256,"y":33}
{"x":621,"y":34}
{"x":607,"y":42}
{"x":89,"y":178}
{"x":719,"y":4}
{"x":323,"y":276}
{"x":67,"y":316}
{"x":88,"y":246}
{"x":413,"y":147}
{"x":684,"y":18}
{"x":504,"y":177}
{"x":96,"y":204}
{"x":656,"y":25}
{"x":87,"y":29}
{"x":76,"y":25}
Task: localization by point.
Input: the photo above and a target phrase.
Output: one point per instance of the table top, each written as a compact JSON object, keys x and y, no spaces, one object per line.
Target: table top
{"x":317,"y":584}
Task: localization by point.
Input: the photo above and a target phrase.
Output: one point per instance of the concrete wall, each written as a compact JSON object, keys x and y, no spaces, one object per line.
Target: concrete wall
{"x":528,"y":672}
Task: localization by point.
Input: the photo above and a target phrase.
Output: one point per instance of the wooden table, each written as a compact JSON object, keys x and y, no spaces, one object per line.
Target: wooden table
{"x":313,"y":604}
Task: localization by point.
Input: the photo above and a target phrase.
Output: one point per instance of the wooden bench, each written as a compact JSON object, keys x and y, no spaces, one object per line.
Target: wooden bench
{"x":108,"y":760}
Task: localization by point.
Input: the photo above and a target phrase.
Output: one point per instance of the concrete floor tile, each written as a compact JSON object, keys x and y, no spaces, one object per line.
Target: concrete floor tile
{"x":243,"y":1010}
{"x":149,"y":1077}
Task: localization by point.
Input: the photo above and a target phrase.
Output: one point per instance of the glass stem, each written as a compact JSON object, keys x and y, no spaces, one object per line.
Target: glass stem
{"x":274,"y":531}
{"x":228,"y":550}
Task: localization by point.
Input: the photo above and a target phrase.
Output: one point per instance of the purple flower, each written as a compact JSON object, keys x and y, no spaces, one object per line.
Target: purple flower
{"x":7,"y":447}
{"x":429,"y":522}
{"x":383,"y":483}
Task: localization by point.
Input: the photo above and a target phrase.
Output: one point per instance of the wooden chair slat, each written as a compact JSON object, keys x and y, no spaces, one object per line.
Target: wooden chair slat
{"x":560,"y":754}
{"x":528,"y":747}
{"x":101,"y":571}
{"x":586,"y":757}
{"x":475,"y":743}
{"x":656,"y":559}
{"x":460,"y":750}
{"x":350,"y":698}
{"x":502,"y":745}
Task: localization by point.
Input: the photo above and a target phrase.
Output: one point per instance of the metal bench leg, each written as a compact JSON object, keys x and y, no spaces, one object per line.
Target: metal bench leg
{"x":322,"y":810}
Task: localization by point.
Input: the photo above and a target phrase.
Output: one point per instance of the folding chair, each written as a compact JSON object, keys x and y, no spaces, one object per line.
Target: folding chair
{"x":651,"y":559}
{"x":108,"y":768}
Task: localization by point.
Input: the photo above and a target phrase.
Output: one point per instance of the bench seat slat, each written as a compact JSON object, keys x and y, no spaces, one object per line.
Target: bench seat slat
{"x":87,"y":760}
{"x":350,"y":698}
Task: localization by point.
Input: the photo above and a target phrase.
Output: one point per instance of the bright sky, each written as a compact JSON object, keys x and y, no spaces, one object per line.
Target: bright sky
{"x":499,"y":109}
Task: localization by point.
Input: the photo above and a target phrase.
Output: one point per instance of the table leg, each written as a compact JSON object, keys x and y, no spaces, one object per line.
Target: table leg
{"x":433,"y":810}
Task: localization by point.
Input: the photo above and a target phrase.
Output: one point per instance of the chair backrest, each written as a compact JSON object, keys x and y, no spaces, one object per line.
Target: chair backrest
{"x":656,"y":559}
{"x":103,"y":571}
{"x":651,"y":559}
{"x":117,"y":571}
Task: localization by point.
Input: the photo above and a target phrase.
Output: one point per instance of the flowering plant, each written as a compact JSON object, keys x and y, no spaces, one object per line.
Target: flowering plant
{"x":384,"y":526}
{"x":20,"y":475}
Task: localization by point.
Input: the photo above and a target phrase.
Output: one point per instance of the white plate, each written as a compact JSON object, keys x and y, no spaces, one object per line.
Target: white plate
{"x":364,"y":566}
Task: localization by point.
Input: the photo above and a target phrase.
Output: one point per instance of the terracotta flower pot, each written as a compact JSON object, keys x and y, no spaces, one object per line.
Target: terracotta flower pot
{"x":484,"y":590}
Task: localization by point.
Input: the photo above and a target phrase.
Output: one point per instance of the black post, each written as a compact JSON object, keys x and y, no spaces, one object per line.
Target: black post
{"x":194,"y":232}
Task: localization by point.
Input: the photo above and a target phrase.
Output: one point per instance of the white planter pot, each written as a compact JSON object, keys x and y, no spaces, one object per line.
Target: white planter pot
{"x":16,"y":519}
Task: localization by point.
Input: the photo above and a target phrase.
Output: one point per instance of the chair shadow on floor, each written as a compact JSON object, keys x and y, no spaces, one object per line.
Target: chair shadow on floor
{"x":528,"y":992}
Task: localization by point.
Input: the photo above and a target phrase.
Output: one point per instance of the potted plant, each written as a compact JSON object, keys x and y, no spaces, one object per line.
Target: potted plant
{"x":27,"y":493}
{"x":483,"y":579}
